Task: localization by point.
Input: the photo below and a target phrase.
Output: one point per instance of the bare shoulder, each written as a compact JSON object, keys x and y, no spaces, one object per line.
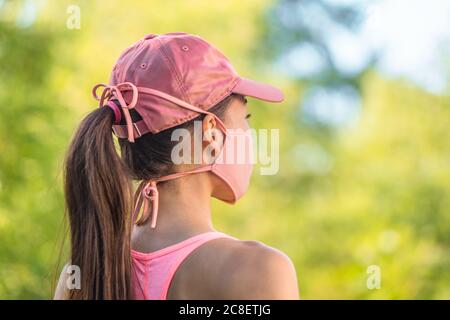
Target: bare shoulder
{"x":236,"y":269}
{"x":259,"y":272}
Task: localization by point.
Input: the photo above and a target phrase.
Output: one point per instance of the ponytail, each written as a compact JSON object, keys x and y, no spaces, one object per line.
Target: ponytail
{"x":98,"y":197}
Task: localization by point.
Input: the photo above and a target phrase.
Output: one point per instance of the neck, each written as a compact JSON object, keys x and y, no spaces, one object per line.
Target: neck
{"x":184,"y":211}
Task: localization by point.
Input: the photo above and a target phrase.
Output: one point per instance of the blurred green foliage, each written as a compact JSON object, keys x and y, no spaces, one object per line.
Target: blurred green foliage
{"x":375,"y":193}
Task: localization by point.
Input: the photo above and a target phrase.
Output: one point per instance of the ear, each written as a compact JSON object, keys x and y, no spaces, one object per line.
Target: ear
{"x":212,"y":139}
{"x":208,"y":124}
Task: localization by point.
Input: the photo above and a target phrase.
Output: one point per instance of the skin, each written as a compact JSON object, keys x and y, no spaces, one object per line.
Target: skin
{"x":221,"y":268}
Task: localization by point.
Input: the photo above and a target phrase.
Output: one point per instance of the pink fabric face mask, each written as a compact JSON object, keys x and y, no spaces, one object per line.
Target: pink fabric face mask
{"x":234,"y":166}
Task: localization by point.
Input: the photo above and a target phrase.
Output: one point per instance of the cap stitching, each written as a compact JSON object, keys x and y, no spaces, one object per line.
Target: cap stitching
{"x":225,"y":93}
{"x":130,"y":61}
{"x":192,"y":116}
{"x":174,"y":72}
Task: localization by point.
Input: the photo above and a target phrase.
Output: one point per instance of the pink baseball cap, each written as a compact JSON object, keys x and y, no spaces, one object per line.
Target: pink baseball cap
{"x":161,"y":73}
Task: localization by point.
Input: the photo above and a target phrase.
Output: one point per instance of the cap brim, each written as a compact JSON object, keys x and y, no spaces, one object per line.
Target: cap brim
{"x":258,"y":90}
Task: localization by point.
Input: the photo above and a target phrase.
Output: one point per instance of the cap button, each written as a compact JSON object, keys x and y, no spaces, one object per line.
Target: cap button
{"x":150,"y":36}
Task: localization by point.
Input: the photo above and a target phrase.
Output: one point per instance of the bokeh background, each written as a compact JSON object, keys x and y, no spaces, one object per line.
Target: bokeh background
{"x":364,"y":173}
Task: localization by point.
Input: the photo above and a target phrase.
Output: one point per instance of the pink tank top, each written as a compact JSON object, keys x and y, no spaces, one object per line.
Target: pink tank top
{"x":153,"y":272}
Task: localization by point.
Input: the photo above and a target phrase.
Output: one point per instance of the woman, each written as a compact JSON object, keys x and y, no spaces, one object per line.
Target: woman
{"x":161,"y":244}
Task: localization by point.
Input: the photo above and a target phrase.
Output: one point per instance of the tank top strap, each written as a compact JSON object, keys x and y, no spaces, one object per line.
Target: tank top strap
{"x":155,"y":270}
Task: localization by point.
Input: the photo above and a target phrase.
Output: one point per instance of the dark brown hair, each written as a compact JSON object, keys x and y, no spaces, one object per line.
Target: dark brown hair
{"x":98,"y":194}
